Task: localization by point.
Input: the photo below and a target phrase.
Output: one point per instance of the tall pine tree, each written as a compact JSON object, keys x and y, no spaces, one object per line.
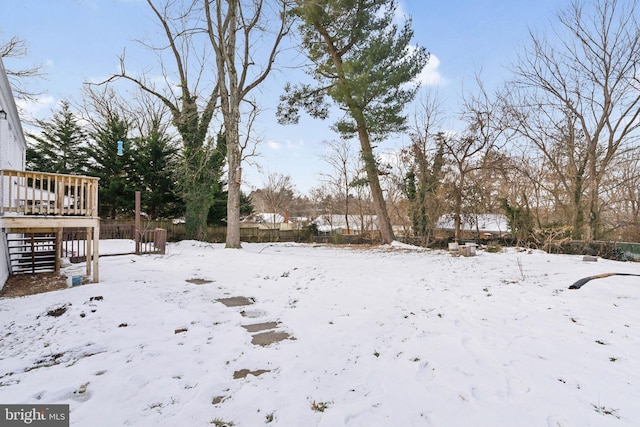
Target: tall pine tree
{"x":156,"y":160}
{"x":364,"y":63}
{"x":59,"y":147}
{"x":116,"y":187}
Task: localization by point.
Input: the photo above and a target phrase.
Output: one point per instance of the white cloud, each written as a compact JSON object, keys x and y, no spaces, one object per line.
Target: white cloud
{"x":400,"y":16}
{"x":295,"y":145}
{"x":391,"y":158}
{"x":430,"y":75}
{"x":37,"y":108}
{"x":274,"y":145}
{"x":288,"y":145}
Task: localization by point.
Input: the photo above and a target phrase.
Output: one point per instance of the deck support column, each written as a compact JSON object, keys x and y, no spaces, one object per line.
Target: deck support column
{"x":96,"y":251}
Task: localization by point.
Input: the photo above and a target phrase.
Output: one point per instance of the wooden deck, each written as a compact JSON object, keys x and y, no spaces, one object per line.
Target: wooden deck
{"x":34,"y":202}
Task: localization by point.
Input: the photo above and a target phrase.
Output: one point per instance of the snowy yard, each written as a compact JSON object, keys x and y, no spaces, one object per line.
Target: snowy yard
{"x":371,"y":337}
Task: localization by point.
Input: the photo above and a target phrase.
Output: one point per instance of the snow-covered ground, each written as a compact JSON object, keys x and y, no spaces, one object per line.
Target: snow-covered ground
{"x":387,"y":336}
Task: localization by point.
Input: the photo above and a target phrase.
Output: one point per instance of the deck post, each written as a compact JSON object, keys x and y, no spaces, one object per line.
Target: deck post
{"x":58,"y":247}
{"x":96,"y":251}
{"x":89,"y":251}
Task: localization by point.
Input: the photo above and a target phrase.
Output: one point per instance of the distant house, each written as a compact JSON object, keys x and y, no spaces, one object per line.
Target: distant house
{"x":264,"y":220}
{"x":36,"y":206}
{"x":482,"y":226}
{"x":357,"y":224}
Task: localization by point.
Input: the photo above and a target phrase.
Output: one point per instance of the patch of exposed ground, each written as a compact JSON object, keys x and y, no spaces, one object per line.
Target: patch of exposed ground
{"x":28,"y":284}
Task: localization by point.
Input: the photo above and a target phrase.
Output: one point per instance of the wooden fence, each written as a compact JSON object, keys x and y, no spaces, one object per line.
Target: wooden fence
{"x":154,"y":236}
{"x":150,"y":241}
{"x":215,"y":234}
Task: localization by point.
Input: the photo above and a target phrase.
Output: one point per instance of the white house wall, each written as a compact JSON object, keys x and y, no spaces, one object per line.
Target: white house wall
{"x":13,"y":146}
{"x":13,"y":149}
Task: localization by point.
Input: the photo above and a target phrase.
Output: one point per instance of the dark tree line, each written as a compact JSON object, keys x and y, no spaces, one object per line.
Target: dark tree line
{"x":149,"y":160}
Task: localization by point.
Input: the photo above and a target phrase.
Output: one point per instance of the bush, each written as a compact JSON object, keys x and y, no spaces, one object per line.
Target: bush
{"x":494,"y":248}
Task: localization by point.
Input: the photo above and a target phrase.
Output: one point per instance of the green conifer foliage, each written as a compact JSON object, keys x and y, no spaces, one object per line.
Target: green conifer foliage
{"x":59,"y":146}
{"x":116,"y":189}
{"x":156,"y":159}
{"x":363,"y":62}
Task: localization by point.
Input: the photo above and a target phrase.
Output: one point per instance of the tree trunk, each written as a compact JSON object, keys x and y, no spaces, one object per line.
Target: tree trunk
{"x":233,"y":203}
{"x":235,"y":175}
{"x":230,"y":98}
{"x":456,"y":226}
{"x":577,"y":210}
{"x":457,"y":209}
{"x":594,"y":210}
{"x":379,"y":205}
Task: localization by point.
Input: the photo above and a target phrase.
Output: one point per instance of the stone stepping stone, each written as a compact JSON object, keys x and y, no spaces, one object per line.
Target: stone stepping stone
{"x":199,"y":281}
{"x":252,"y":314}
{"x":257,"y":327}
{"x":267,"y":338}
{"x":242,"y":373}
{"x":235,"y":301}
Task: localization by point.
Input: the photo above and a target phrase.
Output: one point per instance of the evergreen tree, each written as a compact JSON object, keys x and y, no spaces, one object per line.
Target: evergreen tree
{"x":246,"y":204}
{"x":156,"y":160}
{"x":519,"y":219}
{"x":364,"y":63}
{"x":116,"y":189}
{"x":218,"y":211}
{"x":59,"y":148}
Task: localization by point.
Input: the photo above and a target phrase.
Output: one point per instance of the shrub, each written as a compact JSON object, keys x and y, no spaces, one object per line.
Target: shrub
{"x":493,"y":248}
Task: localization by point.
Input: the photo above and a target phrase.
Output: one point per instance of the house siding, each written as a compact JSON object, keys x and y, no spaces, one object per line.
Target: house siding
{"x":13,"y":149}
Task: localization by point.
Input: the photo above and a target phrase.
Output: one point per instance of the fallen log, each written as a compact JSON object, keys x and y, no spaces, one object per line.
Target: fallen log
{"x":580,"y":283}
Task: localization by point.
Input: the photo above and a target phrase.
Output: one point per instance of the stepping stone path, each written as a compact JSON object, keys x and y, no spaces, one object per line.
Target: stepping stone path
{"x":242,"y":373}
{"x":269,"y":336}
{"x":236,"y":301}
{"x":257,"y":327}
{"x":199,"y":281}
{"x":263,"y":333}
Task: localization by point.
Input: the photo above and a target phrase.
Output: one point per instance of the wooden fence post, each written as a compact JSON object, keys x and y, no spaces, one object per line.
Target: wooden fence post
{"x":160,"y":240}
{"x":137,"y":223}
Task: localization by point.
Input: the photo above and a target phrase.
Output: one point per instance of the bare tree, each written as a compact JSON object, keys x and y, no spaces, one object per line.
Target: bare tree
{"x":245,"y":51}
{"x":340,"y":158}
{"x":277,"y":194}
{"x":563,"y":148}
{"x":423,"y":159}
{"x":20,"y":78}
{"x":527,"y":176}
{"x":588,"y":76}
{"x":191,"y":112}
{"x":470,"y":151}
{"x":322,"y":197}
{"x":621,"y":195}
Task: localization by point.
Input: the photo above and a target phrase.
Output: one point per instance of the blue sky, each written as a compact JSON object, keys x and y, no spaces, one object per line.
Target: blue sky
{"x":80,"y":40}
